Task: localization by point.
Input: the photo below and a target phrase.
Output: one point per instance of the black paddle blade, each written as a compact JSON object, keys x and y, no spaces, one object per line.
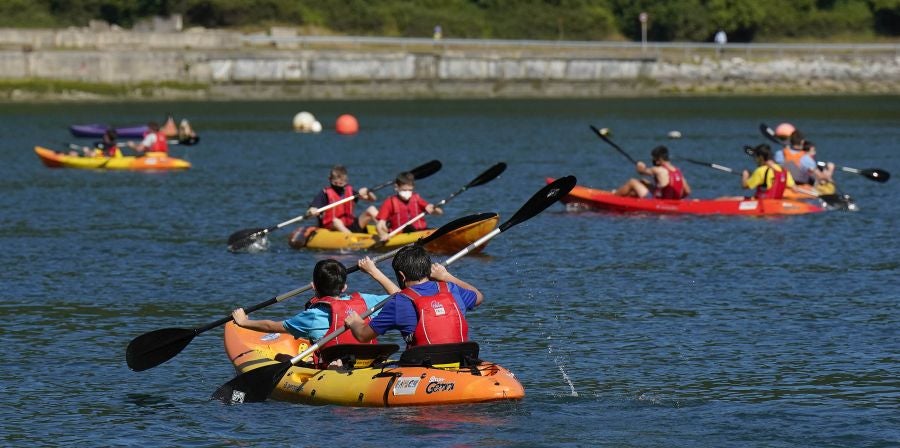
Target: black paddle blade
{"x":253,"y":386}
{"x":488,"y":175}
{"x":243,"y":238}
{"x":425,"y":170}
{"x":768,"y":133}
{"x":454,"y":225}
{"x":876,"y":174}
{"x":544,"y":198}
{"x":156,"y":347}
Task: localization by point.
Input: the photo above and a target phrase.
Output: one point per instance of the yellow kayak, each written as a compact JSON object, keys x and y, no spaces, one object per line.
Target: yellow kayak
{"x":324,"y":239}
{"x":366,"y":378}
{"x":150,"y":161}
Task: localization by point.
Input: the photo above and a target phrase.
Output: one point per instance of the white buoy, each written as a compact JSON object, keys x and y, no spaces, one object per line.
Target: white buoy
{"x":316,"y":127}
{"x":674,"y":134}
{"x":303,"y":121}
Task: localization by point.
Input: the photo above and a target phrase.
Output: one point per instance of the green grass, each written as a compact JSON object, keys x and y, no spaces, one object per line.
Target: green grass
{"x":57,"y":86}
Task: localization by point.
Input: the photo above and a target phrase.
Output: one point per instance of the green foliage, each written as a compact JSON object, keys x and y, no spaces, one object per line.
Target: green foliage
{"x":688,"y":20}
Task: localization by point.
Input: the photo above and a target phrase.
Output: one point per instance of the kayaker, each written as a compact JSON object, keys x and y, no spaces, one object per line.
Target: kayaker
{"x":430,"y":291}
{"x":769,"y":179}
{"x":342,"y":218}
{"x":325,"y":312}
{"x":108,"y":145}
{"x":668,"y":181}
{"x":402,"y":207}
{"x":798,"y":156}
{"x":154,"y":140}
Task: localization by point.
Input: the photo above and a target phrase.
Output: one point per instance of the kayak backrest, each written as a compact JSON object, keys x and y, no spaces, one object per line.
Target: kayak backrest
{"x":357,"y":355}
{"x":463,"y":353}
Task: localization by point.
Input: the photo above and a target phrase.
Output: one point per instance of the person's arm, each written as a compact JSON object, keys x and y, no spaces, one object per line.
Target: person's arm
{"x":265,"y":326}
{"x":687,"y":187}
{"x":364,"y":193}
{"x":440,"y":273}
{"x":369,"y":267}
{"x":641,"y":169}
{"x":381,"y":224}
{"x":752,"y":181}
{"x":360,"y":329}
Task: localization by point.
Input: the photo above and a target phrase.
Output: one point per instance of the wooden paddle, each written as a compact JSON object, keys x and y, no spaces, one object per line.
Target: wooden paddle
{"x":611,"y":143}
{"x":243,"y":238}
{"x":256,"y":385}
{"x":483,"y":178}
{"x":156,"y":347}
{"x":875,"y":174}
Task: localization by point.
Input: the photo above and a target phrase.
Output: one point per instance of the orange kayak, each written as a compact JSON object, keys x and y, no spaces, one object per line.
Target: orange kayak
{"x":151,"y":161}
{"x":372,"y":382}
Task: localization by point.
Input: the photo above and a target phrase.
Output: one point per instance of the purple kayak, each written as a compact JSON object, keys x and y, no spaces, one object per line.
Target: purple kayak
{"x":97,"y":131}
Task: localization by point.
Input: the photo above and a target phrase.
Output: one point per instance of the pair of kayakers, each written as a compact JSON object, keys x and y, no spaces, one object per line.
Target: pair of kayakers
{"x":430,"y":309}
{"x":798,"y":155}
{"x":396,"y":211}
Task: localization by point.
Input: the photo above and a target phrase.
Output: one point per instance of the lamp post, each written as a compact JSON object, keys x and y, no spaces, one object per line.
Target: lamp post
{"x":643,"y":18}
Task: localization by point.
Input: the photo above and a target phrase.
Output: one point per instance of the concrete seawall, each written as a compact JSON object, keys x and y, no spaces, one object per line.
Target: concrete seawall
{"x":218,"y":66}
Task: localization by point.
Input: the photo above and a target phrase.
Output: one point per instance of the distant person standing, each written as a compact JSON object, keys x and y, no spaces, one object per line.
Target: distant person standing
{"x":721,"y":38}
{"x":438,"y":34}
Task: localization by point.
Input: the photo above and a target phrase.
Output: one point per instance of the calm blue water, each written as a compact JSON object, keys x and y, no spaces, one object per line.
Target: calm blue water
{"x":638,"y":331}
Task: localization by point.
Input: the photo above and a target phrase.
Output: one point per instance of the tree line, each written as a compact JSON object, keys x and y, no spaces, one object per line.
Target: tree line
{"x":668,"y":20}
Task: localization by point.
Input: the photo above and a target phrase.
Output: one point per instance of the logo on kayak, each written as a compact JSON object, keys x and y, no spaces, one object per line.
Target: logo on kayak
{"x":438,"y":308}
{"x":237,"y":396}
{"x":270,"y":337}
{"x":406,"y":385}
{"x":748,"y":205}
{"x":437,"y":386}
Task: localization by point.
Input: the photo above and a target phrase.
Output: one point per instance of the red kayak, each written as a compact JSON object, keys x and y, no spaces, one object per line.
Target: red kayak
{"x":592,"y":199}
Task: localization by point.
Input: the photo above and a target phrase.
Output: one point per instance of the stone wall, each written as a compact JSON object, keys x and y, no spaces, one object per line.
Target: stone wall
{"x":228,"y":69}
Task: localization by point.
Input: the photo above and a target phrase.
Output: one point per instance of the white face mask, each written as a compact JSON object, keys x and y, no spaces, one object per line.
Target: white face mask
{"x":405,"y":194}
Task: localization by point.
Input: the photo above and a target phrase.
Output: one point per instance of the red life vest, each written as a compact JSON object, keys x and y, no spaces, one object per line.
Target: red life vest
{"x":343,"y":212}
{"x":402,"y":212}
{"x":675,"y":188}
{"x":161,"y":144}
{"x":440,"y":321}
{"x":339,"y":310}
{"x":776,"y":190}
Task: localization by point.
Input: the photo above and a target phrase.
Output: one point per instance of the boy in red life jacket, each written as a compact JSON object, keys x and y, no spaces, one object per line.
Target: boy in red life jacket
{"x":341,"y":217}
{"x":768,"y":179}
{"x":326,"y":311}
{"x":668,"y":182}
{"x":399,"y":209}
{"x":154,"y":140}
{"x":429,"y":310}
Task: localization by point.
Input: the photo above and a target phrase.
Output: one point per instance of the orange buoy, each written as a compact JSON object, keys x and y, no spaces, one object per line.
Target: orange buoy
{"x":346,"y":124}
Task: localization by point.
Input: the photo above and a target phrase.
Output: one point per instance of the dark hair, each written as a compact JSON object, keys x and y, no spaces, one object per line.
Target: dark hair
{"x":763,"y":151}
{"x":153,"y":126}
{"x":797,"y":138}
{"x":329,"y":278}
{"x":660,"y":153}
{"x":413,"y":262}
{"x":807,"y":145}
{"x":405,"y":178}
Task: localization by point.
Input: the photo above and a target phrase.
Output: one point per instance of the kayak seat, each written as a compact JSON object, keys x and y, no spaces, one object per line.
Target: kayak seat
{"x":357,"y":355}
{"x":462,"y":354}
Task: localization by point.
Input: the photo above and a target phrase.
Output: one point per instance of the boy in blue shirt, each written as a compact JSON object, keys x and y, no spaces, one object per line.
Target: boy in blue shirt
{"x":329,"y":280}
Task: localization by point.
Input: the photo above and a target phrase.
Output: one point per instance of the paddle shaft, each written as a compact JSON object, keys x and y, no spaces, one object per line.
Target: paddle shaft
{"x":613,"y":144}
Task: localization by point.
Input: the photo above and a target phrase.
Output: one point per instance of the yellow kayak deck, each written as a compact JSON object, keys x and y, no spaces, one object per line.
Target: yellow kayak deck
{"x":151,"y":161}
